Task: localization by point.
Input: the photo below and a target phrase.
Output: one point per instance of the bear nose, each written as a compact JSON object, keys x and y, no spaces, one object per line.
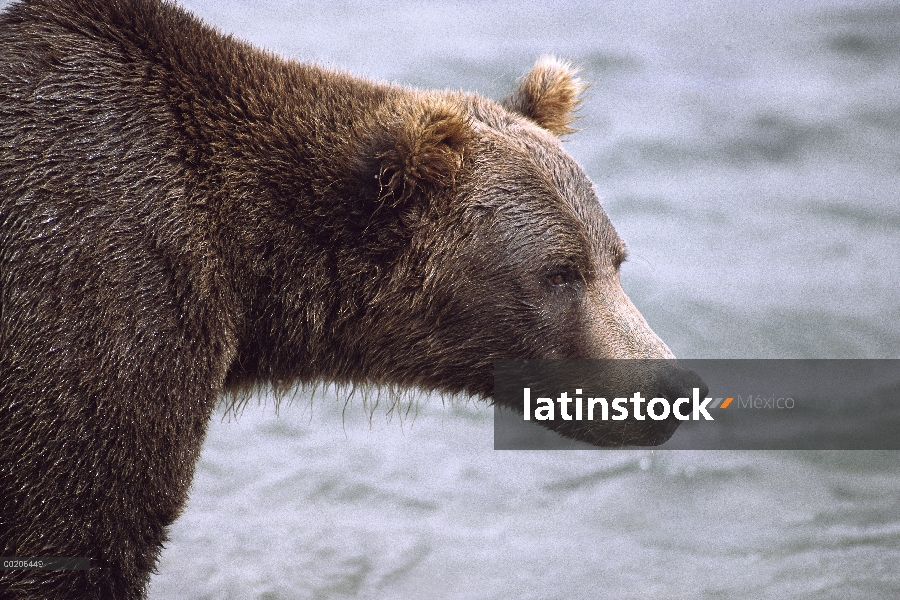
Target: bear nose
{"x":677,"y":382}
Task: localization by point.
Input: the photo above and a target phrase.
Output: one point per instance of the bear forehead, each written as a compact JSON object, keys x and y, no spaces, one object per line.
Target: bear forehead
{"x":519,"y":170}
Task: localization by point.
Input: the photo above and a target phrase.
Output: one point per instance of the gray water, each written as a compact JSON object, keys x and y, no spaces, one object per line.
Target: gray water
{"x":749,"y":154}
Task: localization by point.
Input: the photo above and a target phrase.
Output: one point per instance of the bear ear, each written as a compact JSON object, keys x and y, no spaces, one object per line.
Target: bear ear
{"x":422,"y":146}
{"x":548,"y":95}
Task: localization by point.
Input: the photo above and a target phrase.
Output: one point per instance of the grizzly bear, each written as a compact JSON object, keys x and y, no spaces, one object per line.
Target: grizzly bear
{"x":183,"y":216}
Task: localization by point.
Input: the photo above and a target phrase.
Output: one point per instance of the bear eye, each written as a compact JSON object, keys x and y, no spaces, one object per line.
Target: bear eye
{"x":561,"y":277}
{"x":558,"y":279}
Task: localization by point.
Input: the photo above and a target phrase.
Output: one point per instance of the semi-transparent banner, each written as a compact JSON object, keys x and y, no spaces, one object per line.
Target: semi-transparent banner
{"x":724,"y":404}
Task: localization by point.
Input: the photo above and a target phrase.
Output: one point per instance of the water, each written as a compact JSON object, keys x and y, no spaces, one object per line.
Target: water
{"x":749,"y":153}
{"x":296,"y":508}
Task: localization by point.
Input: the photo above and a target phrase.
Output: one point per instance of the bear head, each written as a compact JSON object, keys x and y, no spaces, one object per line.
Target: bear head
{"x":469,"y":235}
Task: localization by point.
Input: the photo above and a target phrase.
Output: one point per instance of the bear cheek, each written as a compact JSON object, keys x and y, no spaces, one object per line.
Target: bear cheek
{"x":616,"y":329}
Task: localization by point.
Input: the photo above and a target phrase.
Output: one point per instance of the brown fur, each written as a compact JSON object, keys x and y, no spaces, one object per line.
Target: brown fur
{"x":548,"y":95}
{"x":423,"y":146}
{"x":183,"y":216}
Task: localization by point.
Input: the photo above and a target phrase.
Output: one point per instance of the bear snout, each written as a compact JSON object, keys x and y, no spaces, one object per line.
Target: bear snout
{"x":673,"y":382}
{"x":677,"y":382}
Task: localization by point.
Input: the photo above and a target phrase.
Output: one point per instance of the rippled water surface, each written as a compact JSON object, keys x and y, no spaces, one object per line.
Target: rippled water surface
{"x":749,"y":153}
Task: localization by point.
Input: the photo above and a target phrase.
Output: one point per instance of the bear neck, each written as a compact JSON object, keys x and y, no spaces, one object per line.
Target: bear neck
{"x":268,"y":150}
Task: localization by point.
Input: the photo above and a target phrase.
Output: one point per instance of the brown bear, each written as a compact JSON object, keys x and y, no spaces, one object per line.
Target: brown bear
{"x":183,"y":216}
